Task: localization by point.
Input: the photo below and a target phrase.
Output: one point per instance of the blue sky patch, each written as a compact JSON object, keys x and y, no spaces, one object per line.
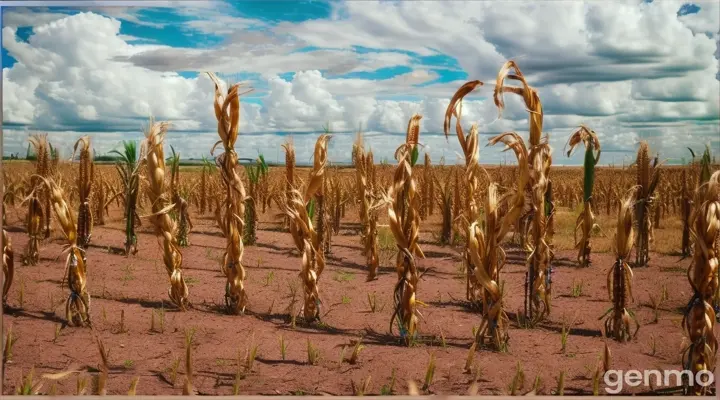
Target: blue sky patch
{"x":276,"y":11}
{"x":378,"y":74}
{"x":688,"y":8}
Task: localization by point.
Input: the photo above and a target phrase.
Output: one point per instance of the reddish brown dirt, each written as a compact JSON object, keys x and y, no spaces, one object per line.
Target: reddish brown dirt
{"x":138,"y":285}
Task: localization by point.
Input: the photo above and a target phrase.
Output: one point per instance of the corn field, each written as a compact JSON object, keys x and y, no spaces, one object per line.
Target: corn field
{"x":485,"y":273}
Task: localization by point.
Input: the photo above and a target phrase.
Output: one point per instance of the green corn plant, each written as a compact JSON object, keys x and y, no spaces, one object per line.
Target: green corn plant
{"x":586,"y":220}
{"x":128,"y":168}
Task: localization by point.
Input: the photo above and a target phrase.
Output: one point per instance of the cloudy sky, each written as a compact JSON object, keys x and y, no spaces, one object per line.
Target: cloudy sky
{"x":631,"y":70}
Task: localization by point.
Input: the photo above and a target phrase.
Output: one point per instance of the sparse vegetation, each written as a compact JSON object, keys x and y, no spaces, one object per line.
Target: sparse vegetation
{"x":395,"y":210}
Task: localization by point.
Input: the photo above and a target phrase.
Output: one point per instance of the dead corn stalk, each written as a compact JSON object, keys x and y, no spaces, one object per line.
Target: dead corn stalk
{"x":538,"y":281}
{"x":158,"y":196}
{"x":308,"y":240}
{"x":77,"y":307}
{"x":699,"y":320}
{"x":647,"y":180}
{"x":37,"y":216}
{"x":367,"y":206}
{"x":231,"y":214}
{"x":8,"y":263}
{"x":619,"y":278}
{"x":86,"y":175}
{"x":404,"y":220}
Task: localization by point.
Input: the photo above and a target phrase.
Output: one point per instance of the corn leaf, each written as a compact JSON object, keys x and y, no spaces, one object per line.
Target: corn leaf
{"x":414,"y":157}
{"x":311,"y":208}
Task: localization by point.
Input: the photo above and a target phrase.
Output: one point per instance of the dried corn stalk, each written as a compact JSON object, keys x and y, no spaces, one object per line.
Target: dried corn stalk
{"x":484,"y":257}
{"x":84,"y":183}
{"x":322,"y":222}
{"x":289,"y":177}
{"x":181,"y":205}
{"x":231,"y":213}
{"x":619,"y":277}
{"x":539,"y":281}
{"x":8,"y":263}
{"x":37,"y":216}
{"x":101,"y":200}
{"x":699,"y":320}
{"x":207,"y":169}
{"x":404,"y":220}
{"x":77,"y":307}
{"x":469,"y":146}
{"x":307,"y":239}
{"x":257,"y":183}
{"x":427,"y":189}
{"x":688,"y":187}
{"x":647,"y":181}
{"x":338,"y":198}
{"x":158,"y":196}
{"x":367,"y":206}
{"x":586,"y":220}
{"x":43,"y":169}
{"x":445,"y":202}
